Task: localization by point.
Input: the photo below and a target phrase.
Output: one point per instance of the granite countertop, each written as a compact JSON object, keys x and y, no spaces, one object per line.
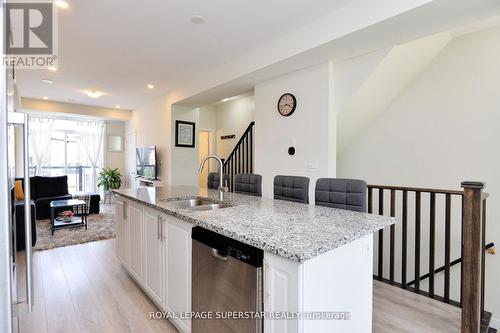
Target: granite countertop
{"x":292,"y":230}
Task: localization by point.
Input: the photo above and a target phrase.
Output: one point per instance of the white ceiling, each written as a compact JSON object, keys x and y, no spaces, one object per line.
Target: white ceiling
{"x":400,"y":26}
{"x":119,"y":46}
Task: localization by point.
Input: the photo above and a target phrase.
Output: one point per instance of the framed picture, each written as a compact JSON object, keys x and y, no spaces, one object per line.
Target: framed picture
{"x":184,"y":134}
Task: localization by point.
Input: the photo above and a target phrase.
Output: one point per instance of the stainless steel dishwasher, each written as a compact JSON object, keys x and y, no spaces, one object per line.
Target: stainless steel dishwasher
{"x":226,"y":281}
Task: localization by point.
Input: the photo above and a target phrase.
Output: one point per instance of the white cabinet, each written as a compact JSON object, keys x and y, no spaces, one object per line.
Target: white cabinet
{"x":178,"y":271}
{"x":121,"y":231}
{"x":154,"y":254}
{"x":281,"y":291}
{"x":129,"y":236}
{"x":155,"y":248}
{"x":135,"y":240}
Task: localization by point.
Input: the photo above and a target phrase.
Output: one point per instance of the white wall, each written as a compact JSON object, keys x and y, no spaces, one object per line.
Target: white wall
{"x":185,"y":159}
{"x":226,"y":118}
{"x":443,"y":129}
{"x":389,"y":78}
{"x":38,"y":105}
{"x":312,"y":126}
{"x":233,"y":117}
{"x":151,"y":125}
{"x":350,"y":75}
{"x":115,"y":159}
{"x":208,"y":122}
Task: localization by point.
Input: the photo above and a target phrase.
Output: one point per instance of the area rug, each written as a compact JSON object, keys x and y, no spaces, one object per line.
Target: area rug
{"x":100,"y":226}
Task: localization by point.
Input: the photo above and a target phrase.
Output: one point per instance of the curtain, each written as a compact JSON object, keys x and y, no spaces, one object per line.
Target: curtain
{"x":91,"y":137}
{"x":40,"y":132}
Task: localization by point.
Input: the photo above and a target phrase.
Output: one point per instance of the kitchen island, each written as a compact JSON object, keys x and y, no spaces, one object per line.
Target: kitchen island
{"x":317,"y":260}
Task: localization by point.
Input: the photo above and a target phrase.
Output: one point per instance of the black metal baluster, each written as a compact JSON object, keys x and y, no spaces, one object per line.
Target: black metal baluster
{"x":392,"y":236}
{"x":404,"y":237}
{"x":246,"y":153}
{"x":231,"y":173}
{"x":251,"y":149}
{"x":238,"y":157}
{"x":483,"y":254}
{"x":462,"y":249}
{"x":447,"y":245}
{"x":370,"y":200}
{"x":432,"y":240}
{"x":381,"y":236}
{"x":417,"y":241}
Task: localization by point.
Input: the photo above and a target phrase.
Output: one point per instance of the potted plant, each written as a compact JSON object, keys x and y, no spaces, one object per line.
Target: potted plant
{"x":109,"y":179}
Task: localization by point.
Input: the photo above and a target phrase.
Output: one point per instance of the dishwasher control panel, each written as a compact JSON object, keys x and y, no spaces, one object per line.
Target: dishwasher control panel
{"x":228,"y":246}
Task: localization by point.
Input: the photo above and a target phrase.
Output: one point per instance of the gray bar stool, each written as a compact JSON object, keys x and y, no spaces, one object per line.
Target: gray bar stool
{"x":349,"y":194}
{"x":213,"y":180}
{"x":291,"y":188}
{"x":248,"y":183}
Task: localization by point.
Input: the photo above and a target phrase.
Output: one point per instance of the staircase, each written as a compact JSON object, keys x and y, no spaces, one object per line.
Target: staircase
{"x":241,"y":158}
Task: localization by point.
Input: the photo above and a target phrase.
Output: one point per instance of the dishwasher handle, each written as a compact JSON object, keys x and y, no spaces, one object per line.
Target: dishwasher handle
{"x":218,"y":255}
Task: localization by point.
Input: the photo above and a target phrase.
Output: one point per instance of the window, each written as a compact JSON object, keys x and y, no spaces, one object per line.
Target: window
{"x":66,"y":156}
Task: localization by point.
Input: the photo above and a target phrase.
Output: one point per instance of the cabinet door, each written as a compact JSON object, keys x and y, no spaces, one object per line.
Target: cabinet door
{"x":135,"y":223}
{"x":154,"y":230}
{"x":120,"y":230}
{"x":281,"y":292}
{"x":178,"y":273}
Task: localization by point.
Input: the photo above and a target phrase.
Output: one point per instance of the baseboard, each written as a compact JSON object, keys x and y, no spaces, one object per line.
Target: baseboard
{"x":495,"y":323}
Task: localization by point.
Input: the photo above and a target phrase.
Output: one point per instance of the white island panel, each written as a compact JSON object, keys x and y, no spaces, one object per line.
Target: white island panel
{"x":337,"y":281}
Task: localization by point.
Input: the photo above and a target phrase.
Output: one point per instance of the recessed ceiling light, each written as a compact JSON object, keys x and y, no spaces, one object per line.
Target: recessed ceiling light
{"x":61,"y":4}
{"x":117,"y":106}
{"x":52,"y":68}
{"x":45,"y":98}
{"x":49,"y":81}
{"x":150,"y":86}
{"x":197,"y":19}
{"x":93,"y":93}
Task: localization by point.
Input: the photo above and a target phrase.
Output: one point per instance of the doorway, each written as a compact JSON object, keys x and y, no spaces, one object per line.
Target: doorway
{"x":204,"y":150}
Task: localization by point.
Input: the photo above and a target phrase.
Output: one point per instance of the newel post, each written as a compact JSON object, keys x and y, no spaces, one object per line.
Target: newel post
{"x":471,"y":257}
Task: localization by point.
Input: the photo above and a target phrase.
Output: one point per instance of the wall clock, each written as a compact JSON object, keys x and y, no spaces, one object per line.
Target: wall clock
{"x":287,"y":104}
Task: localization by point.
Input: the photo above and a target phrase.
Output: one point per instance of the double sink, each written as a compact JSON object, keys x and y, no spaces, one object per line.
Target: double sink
{"x":199,"y":204}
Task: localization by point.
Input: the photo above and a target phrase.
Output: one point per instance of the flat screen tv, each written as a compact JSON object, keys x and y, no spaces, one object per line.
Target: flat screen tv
{"x":146,"y":162}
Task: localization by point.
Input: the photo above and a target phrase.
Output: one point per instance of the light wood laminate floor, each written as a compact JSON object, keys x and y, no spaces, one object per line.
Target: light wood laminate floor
{"x":83,"y":288}
{"x":398,"y":310}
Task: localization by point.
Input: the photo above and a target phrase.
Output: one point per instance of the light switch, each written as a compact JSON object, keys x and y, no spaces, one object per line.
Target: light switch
{"x":313,"y":163}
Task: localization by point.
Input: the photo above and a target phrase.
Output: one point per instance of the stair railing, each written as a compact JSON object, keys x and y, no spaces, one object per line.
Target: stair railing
{"x":240,"y":160}
{"x":471,"y":203}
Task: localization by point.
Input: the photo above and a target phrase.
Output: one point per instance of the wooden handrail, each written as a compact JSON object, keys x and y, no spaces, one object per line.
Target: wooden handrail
{"x":416,"y":189}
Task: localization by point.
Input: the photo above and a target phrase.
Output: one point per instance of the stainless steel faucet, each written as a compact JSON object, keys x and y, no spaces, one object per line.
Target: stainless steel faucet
{"x":222,"y":188}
